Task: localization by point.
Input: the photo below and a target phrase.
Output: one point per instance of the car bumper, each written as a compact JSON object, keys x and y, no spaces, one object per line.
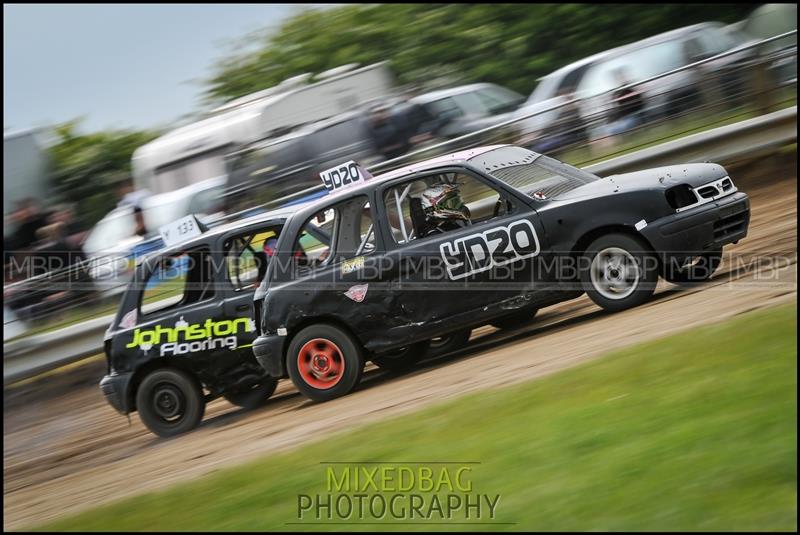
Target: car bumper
{"x":268,"y":350}
{"x":115,"y":389}
{"x":705,"y":228}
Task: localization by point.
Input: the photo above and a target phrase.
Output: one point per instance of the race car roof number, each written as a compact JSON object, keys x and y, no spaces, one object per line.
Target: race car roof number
{"x":181,"y":230}
{"x":344,"y":175}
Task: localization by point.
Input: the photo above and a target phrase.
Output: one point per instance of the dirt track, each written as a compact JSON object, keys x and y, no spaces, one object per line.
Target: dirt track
{"x":66,"y":450}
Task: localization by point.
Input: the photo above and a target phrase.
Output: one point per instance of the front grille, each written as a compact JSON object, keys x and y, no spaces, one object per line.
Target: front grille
{"x":727,"y":184}
{"x":730,"y":225}
{"x":708,"y":192}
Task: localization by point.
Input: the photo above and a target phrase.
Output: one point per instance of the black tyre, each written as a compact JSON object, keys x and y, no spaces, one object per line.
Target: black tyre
{"x":402,"y":359}
{"x":324,"y":362}
{"x":448,"y":343}
{"x":619,"y":271}
{"x":254,"y":396}
{"x":696,"y":269}
{"x":515,"y":320}
{"x":170,"y":402}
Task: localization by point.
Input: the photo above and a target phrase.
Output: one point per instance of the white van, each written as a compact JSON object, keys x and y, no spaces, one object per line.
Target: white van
{"x":196,"y":152}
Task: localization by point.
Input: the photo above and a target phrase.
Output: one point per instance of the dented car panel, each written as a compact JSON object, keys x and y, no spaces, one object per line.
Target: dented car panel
{"x":511,"y":254}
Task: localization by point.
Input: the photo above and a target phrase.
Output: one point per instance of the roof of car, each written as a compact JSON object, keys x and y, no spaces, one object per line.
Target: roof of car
{"x":665,"y":36}
{"x":449,"y":92}
{"x":280,"y":213}
{"x":460,"y":157}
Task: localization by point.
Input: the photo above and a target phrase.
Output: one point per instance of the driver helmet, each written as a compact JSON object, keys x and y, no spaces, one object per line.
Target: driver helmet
{"x":442,"y":202}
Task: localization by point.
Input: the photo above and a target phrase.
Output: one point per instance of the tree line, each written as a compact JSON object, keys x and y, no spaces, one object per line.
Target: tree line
{"x":508,"y":44}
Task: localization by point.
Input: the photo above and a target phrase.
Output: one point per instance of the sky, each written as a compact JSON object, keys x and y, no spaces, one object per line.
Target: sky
{"x":117,"y":66}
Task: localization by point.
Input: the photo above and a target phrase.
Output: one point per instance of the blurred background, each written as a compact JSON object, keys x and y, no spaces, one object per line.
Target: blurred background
{"x":273,"y":94}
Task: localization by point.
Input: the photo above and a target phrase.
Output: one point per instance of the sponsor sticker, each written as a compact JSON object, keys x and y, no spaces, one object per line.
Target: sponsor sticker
{"x":128,"y":320}
{"x":358,"y":292}
{"x":354,"y":264}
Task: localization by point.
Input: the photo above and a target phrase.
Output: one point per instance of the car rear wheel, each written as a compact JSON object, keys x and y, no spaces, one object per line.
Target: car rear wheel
{"x":324,"y":362}
{"x":254,"y":396}
{"x":515,"y":320}
{"x":170,"y":402}
{"x":402,"y":359}
{"x":619,"y":271}
{"x":449,"y":342}
{"x":695,"y":269}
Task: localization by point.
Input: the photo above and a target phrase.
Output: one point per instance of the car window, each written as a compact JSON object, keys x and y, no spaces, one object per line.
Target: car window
{"x":470,"y":103}
{"x":247,"y":257}
{"x":336,"y":233}
{"x":338,"y":135}
{"x":638,"y":65}
{"x":178,"y":280}
{"x":444,"y":108}
{"x":499,"y":100}
{"x":714,"y":41}
{"x":441,"y":203}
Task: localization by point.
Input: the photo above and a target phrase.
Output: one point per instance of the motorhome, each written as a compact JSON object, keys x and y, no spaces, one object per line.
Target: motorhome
{"x":196,"y":152}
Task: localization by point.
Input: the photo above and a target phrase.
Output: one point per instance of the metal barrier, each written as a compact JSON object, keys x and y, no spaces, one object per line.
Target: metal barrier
{"x":744,"y":86}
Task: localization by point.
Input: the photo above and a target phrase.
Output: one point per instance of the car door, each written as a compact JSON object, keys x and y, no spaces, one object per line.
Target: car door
{"x":177,"y":313}
{"x":466,"y":270}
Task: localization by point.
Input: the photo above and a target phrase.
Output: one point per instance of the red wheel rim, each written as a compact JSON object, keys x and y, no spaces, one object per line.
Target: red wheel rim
{"x":321,"y":363}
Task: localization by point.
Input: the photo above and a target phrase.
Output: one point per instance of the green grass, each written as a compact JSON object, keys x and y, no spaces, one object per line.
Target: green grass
{"x":695,"y":431}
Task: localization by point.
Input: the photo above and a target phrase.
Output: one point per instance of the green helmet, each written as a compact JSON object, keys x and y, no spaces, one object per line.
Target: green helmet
{"x":442,"y":202}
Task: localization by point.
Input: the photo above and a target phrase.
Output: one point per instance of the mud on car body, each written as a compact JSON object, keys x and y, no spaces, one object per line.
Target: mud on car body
{"x":184,"y":328}
{"x":524,"y":231}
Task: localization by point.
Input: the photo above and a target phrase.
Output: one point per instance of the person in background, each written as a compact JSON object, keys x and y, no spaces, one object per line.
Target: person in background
{"x":628,"y":106}
{"x":28,"y":217}
{"x":569,"y":128}
{"x":419,"y":125}
{"x":389,"y":136}
{"x":129,"y":196}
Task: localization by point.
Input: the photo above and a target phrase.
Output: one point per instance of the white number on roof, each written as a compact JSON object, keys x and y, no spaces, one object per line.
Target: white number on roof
{"x":342,"y":176}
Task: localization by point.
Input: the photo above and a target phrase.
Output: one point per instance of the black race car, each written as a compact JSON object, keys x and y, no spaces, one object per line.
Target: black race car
{"x":184,"y":328}
{"x":488,"y":235}
{"x":183,"y":332}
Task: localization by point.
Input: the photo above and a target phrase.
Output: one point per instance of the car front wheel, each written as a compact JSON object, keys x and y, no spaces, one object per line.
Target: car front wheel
{"x":619,"y":271}
{"x":170,"y":402}
{"x":324,"y":362}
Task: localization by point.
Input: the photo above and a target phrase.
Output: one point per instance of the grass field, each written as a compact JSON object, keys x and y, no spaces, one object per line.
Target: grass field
{"x":695,"y":431}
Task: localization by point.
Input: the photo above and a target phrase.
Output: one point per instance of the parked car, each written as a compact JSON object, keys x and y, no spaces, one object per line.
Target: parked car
{"x":465,"y":109}
{"x":281,"y":167}
{"x":591,"y":80}
{"x":112,"y":247}
{"x":470,"y":238}
{"x":768,"y":21}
